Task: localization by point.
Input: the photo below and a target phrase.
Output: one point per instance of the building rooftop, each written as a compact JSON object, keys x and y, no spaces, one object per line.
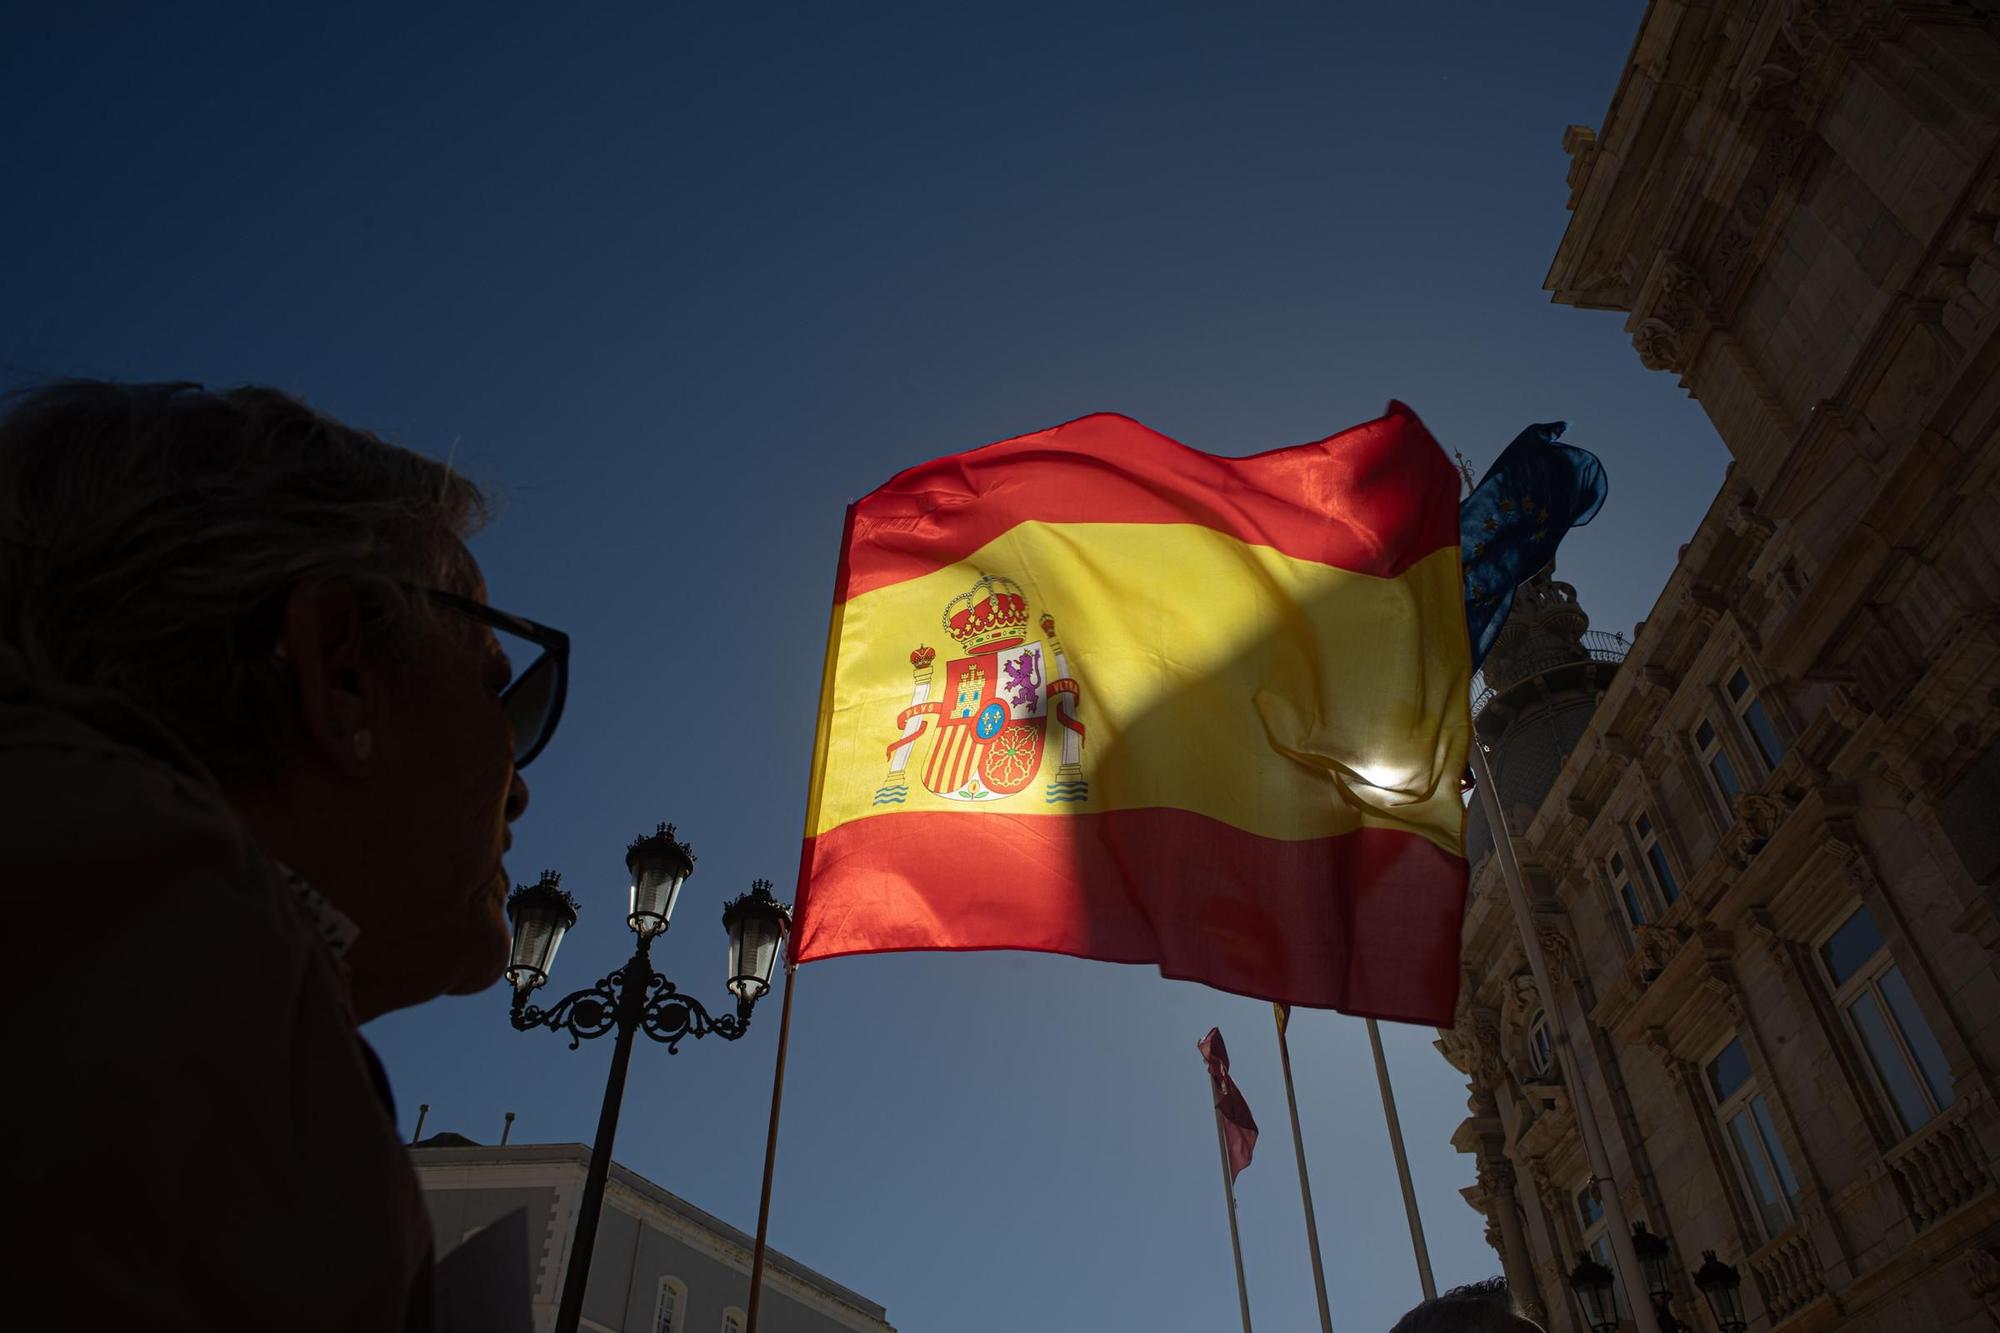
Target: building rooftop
{"x":449,"y":1150}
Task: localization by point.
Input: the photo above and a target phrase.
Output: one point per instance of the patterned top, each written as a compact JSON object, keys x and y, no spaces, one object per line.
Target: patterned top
{"x":336,"y":930}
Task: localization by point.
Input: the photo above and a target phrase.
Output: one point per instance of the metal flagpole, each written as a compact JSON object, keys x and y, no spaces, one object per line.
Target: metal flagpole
{"x":770,"y":1155}
{"x":1235,"y":1242}
{"x":1402,"y":1165}
{"x":1622,"y":1253}
{"x":1305,"y":1185}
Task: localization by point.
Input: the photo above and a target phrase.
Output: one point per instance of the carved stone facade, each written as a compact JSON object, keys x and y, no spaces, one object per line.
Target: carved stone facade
{"x":1765,"y":845}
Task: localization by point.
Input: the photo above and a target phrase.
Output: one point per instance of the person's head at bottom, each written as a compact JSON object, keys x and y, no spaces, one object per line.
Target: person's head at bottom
{"x":1481,"y":1307}
{"x":291,"y":600}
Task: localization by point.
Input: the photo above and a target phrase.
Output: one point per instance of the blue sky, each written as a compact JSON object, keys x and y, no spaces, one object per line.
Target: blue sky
{"x":678,"y":282}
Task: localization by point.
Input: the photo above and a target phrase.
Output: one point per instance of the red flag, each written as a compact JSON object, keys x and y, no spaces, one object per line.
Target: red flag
{"x":1239,"y":1127}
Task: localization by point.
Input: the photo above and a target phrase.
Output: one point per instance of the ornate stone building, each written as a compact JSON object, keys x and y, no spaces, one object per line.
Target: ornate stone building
{"x":1762,"y":841}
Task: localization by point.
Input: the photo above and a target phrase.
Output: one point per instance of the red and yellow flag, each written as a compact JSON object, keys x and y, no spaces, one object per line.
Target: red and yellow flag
{"x":1092,"y":692}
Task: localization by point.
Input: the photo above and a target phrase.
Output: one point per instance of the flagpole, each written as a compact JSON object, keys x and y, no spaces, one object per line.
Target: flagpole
{"x":1402,"y":1165}
{"x":1623,"y":1256}
{"x":770,"y":1154}
{"x":1305,"y":1184}
{"x":1235,"y":1242}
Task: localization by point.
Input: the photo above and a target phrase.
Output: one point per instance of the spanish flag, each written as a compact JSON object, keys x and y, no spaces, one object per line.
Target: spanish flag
{"x":1092,"y":692}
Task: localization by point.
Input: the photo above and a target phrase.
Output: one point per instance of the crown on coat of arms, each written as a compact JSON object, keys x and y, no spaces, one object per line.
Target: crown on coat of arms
{"x":991,"y":614}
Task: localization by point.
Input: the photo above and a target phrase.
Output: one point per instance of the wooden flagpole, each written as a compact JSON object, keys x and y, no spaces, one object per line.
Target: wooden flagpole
{"x":1402,"y":1165}
{"x":1305,"y":1184}
{"x":770,"y":1155}
{"x":1235,"y":1241}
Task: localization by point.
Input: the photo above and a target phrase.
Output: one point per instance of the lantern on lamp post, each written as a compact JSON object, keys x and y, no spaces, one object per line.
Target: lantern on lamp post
{"x":1593,"y":1284}
{"x":634,"y":998}
{"x":1656,"y":1262}
{"x":1721,"y":1286}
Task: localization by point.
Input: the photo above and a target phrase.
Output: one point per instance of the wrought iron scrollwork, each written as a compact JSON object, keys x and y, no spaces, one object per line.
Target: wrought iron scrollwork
{"x":584,"y":1013}
{"x":672,"y":1017}
{"x":660,"y":1010}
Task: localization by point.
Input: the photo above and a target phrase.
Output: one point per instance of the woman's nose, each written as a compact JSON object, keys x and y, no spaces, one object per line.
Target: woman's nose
{"x":517,"y":799}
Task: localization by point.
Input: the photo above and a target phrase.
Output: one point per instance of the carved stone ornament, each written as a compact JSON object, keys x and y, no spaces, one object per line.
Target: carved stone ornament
{"x":1658,"y":344}
{"x":1850,"y":23}
{"x":1982,"y":1278}
{"x":1777,"y":158}
{"x":1744,"y":519}
{"x":1717,"y":981}
{"x":1473,"y":1048}
{"x":1771,"y":87}
{"x":1555,"y":952}
{"x":1653,"y":948}
{"x":1526,"y":996}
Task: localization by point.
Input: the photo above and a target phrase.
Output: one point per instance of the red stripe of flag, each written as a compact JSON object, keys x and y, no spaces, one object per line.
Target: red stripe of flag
{"x":1349,"y":500}
{"x":1365,"y":922}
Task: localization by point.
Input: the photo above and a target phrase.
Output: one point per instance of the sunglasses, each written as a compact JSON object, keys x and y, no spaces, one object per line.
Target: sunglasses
{"x":533,"y":700}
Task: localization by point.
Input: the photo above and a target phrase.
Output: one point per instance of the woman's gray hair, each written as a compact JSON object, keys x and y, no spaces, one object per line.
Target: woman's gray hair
{"x":150,"y":535}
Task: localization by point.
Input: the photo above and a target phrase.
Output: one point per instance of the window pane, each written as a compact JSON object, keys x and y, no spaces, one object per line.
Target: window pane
{"x":1645,"y":827}
{"x":1668,"y":889}
{"x":1704,"y":736}
{"x":1617,"y":864}
{"x":1917,"y":1034}
{"x":1589,"y":1206}
{"x":1763,"y":1186}
{"x":1764,"y":733}
{"x":1725,"y":774}
{"x":1772,"y":1146}
{"x":1904,"y":1097}
{"x":1729,"y":1071}
{"x":1739,"y":685}
{"x":1848,"y":949}
{"x":1637,"y":917}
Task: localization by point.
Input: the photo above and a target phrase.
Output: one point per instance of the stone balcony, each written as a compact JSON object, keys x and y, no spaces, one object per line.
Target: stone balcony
{"x":1942,"y":1167}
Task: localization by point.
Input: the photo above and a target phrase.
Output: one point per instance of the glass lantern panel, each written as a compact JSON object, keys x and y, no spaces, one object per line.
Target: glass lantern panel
{"x":654,"y":893}
{"x":536,"y":937}
{"x":754,"y":954}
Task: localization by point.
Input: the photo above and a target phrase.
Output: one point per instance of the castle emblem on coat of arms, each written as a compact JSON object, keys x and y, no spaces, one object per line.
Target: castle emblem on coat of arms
{"x":982,"y":737}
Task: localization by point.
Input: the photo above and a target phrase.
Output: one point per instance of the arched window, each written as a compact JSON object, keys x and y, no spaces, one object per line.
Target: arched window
{"x":1540,"y":1045}
{"x":670,"y":1311}
{"x":733,"y":1320}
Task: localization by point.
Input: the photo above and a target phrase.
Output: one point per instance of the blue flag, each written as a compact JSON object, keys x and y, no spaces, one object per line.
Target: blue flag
{"x":1509,"y":526}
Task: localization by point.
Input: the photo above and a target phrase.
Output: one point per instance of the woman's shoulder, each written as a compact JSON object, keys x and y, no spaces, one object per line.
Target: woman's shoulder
{"x":93,"y":821}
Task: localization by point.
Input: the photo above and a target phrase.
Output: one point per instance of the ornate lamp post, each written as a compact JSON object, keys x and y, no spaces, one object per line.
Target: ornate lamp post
{"x":1592,"y":1283}
{"x":1720,"y":1284}
{"x":634,"y":998}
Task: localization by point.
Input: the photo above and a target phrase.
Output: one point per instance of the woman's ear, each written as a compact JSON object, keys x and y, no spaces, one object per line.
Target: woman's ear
{"x":339,"y":681}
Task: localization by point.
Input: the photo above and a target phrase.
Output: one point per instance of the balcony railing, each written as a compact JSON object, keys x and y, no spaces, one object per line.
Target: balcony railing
{"x":1788,"y":1273}
{"x":1593,"y":646}
{"x":1941,"y":1167}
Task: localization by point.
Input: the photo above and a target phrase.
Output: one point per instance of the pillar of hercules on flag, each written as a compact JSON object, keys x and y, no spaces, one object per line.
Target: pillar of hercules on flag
{"x":1090,"y":691}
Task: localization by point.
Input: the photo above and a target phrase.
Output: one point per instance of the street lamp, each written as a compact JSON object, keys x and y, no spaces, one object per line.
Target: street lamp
{"x":634,"y":998}
{"x":1592,"y":1283}
{"x":1720,"y":1283}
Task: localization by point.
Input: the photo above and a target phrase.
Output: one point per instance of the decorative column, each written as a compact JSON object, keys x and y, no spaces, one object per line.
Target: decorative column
{"x":1069,"y":784}
{"x":1497,"y":1178}
{"x":895,"y":788}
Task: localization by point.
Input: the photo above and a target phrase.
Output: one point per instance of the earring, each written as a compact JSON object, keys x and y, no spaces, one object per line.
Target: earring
{"x":364,"y":744}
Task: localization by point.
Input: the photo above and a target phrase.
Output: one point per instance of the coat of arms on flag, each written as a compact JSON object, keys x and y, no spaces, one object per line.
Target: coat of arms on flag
{"x":982,"y":737}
